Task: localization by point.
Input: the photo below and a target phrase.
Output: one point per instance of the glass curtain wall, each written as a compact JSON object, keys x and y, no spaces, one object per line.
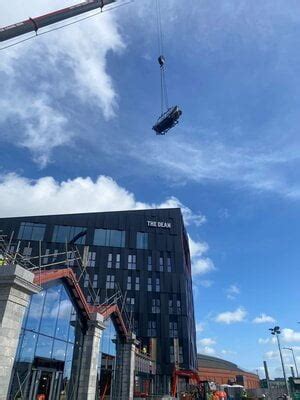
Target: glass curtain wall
{"x":46,"y":343}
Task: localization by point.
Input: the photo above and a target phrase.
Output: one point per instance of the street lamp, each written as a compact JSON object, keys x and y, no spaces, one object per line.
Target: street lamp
{"x":290,"y":348}
{"x":276,"y":332}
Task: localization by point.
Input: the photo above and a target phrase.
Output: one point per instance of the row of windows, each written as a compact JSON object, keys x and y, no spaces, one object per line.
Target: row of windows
{"x":113,"y":260}
{"x":174,"y":307}
{"x":63,"y":234}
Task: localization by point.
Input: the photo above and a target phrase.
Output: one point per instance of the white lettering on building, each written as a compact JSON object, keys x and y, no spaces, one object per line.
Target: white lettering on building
{"x":159,"y":224}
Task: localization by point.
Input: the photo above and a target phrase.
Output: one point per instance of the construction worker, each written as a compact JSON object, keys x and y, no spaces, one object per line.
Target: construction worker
{"x":2,"y":261}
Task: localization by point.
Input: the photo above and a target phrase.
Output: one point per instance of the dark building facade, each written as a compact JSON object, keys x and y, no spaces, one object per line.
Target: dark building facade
{"x":146,"y":254}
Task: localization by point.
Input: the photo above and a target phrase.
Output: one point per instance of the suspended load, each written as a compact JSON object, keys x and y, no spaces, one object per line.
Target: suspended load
{"x":167,"y":120}
{"x":169,"y":115}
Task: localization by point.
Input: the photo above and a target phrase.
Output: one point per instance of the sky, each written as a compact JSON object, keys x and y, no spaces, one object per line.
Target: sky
{"x":77,"y":109}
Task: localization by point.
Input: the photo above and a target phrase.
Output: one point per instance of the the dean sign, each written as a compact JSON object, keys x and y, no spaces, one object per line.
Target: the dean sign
{"x":159,"y":224}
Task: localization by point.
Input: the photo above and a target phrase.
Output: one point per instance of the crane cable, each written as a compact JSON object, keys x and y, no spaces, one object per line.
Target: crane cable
{"x":163,"y":86}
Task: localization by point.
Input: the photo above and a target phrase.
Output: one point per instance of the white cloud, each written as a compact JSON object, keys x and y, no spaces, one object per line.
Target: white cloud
{"x":263,"y":318}
{"x":200,"y":264}
{"x":232,"y":292}
{"x":230,"y":317}
{"x":68,"y":64}
{"x":228,"y":352}
{"x":290,"y":336}
{"x":271,"y":355}
{"x":188,"y":216}
{"x":21,"y":196}
{"x":199,"y":327}
{"x":206,"y":350}
{"x":206,"y":342}
{"x":267,"y":340}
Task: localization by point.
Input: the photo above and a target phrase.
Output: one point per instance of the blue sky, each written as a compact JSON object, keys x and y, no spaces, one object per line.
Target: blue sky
{"x":77,"y":107}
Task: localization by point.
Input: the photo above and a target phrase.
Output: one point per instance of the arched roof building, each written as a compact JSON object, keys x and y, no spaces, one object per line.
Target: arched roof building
{"x":223,"y":372}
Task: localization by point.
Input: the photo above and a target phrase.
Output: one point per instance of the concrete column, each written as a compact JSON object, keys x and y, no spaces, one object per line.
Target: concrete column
{"x":90,"y":358}
{"x":125,"y":363}
{"x":16,"y":287}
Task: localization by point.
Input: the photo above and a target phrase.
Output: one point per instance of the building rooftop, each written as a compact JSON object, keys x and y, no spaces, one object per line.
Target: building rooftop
{"x":205,"y":361}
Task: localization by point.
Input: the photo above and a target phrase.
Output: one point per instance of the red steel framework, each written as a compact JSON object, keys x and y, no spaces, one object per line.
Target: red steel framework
{"x":68,"y":277}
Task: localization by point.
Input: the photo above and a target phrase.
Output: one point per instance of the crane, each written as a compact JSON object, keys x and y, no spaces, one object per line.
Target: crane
{"x":33,"y":24}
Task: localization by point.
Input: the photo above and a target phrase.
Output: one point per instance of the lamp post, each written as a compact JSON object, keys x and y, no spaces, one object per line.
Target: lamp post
{"x":291,"y":349}
{"x":276,"y":332}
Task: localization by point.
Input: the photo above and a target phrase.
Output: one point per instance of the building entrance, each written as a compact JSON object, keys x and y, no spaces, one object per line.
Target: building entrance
{"x":46,"y":381}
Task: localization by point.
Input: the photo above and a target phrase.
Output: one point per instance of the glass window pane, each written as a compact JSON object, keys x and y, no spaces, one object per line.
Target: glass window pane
{"x":31,"y":231}
{"x":72,"y":330}
{"x":38,"y":232}
{"x":50,"y":311}
{"x":142,"y":240}
{"x":59,"y":350}
{"x":68,"y":361}
{"x":64,"y":315}
{"x":28,"y":346}
{"x":35,"y":311}
{"x":99,"y":237}
{"x":27,"y":232}
{"x":44,"y":346}
{"x":115,"y":238}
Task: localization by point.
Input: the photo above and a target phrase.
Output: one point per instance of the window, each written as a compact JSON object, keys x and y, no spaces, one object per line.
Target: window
{"x":109,"y":260}
{"x":109,"y":237}
{"x":130,"y":304}
{"x":137,"y":283}
{"x":91,"y":259}
{"x":149,"y":285}
{"x":157,"y":285}
{"x":172,"y":355}
{"x":141,"y":240}
{"x":55,"y":255}
{"x":89,"y":299}
{"x":149,"y":263}
{"x":63,"y":234}
{"x":71,"y":256}
{"x":30,"y":231}
{"x":155,"y":306}
{"x":128,"y":287}
{"x":95,"y":281}
{"x":173,"y":329}
{"x":180,"y":354}
{"x":45,"y":259}
{"x":178,"y":306}
{"x":118,"y":261}
{"x":131,"y":261}
{"x":170,"y":306}
{"x":161,"y":264}
{"x":151,"y":328}
{"x":169,"y":264}
{"x":110,"y":282}
{"x":27,"y":251}
{"x":86,"y":280}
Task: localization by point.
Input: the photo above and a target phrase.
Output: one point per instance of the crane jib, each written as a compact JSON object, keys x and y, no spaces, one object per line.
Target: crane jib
{"x":32,"y":24}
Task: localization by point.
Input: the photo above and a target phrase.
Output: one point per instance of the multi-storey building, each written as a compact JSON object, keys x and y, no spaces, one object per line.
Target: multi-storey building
{"x":146,"y":254}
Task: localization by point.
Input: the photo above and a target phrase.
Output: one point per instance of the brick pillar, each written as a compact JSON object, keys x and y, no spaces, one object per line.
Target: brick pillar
{"x":90,"y":358}
{"x":16,"y":287}
{"x":125,"y":363}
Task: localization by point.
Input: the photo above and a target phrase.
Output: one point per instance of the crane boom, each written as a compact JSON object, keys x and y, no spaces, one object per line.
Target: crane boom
{"x":33,"y":24}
